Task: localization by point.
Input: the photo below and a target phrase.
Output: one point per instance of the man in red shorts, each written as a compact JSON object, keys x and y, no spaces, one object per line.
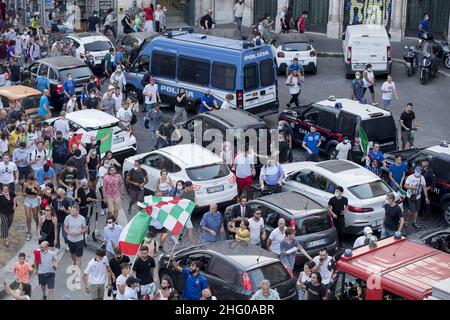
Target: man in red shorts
{"x":244,"y":168}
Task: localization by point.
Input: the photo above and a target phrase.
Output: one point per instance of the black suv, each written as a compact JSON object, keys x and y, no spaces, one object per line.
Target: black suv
{"x":339,"y":118}
{"x":439,"y":157}
{"x":57,"y":69}
{"x":234,"y":269}
{"x":313,"y":227}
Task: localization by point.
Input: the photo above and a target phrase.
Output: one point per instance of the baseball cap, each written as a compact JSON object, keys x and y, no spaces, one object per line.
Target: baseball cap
{"x":188,"y":183}
{"x":367,"y":230}
{"x":132,"y":280}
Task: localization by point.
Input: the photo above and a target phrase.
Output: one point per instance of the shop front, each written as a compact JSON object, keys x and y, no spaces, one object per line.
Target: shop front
{"x":367,"y":12}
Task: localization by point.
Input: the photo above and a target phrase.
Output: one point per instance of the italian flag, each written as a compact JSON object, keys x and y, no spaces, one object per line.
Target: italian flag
{"x":171,"y":213}
{"x":105,"y":145}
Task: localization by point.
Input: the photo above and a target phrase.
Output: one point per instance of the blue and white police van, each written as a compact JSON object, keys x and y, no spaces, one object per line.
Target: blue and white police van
{"x":199,"y":62}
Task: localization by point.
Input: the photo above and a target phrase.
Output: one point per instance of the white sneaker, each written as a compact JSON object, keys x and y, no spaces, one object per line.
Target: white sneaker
{"x":102,"y":213}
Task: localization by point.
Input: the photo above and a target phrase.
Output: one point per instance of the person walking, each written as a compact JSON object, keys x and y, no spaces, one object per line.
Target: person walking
{"x":93,"y":22}
{"x":48,"y":224}
{"x":388,"y":89}
{"x":238,"y":14}
{"x":22,"y":269}
{"x":61,"y":205}
{"x":408,"y":124}
{"x":46,"y":263}
{"x":212,"y":225}
{"x":44,"y":106}
{"x":315,"y":289}
{"x":157,"y":17}
{"x":116,"y":263}
{"x":393,"y":217}
{"x":151,"y":95}
{"x":322,"y":261}
{"x":244,"y":168}
{"x":343,"y":148}
{"x":194,"y":281}
{"x":301,"y":24}
{"x":180,"y":106}
{"x":153,"y":122}
{"x":369,"y":82}
{"x":294,"y":82}
{"x":75,"y":227}
{"x":166,"y":288}
{"x":144,"y":269}
{"x":96,"y":274}
{"x":430,"y":179}
{"x":289,"y":247}
{"x":112,"y":191}
{"x":149,"y":11}
{"x":265,"y":292}
{"x":31,"y":191}
{"x":111,"y":234}
{"x":110,"y":20}
{"x":397,"y":173}
{"x":337,"y":207}
{"x":60,"y":150}
{"x":9,"y":175}
{"x":136,"y":179}
{"x":8,"y":204}
{"x":303,"y":278}
{"x":415,"y":184}
{"x":276,"y":237}
{"x":311,"y":144}
{"x":271,"y":176}
{"x":358,"y":87}
{"x":21,"y":157}
{"x":257,"y":227}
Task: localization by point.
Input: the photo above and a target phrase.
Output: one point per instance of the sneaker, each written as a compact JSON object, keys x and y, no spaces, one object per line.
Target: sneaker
{"x":44,"y":297}
{"x":375,"y":103}
{"x":415,"y":225}
{"x":103,"y":212}
{"x":288,"y":105}
{"x":28,"y":237}
{"x":66,"y":247}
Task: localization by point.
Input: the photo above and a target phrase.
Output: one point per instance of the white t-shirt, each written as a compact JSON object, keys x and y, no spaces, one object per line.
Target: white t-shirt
{"x":124,"y":116}
{"x":276,"y":236}
{"x":41,"y":157}
{"x":7,"y":172}
{"x":412,"y":180}
{"x":63,"y":126}
{"x":359,"y":241}
{"x":370,"y":76}
{"x":75,"y":225}
{"x":150,"y":89}
{"x":121,"y":280}
{"x":388,"y":86}
{"x":294,"y":88}
{"x":226,"y":105}
{"x":255,"y":228}
{"x":129,"y":294}
{"x":102,"y":171}
{"x":239,"y":10}
{"x":323,"y":270}
{"x":118,"y":99}
{"x":243,"y":165}
{"x":343,"y":150}
{"x":97,"y":271}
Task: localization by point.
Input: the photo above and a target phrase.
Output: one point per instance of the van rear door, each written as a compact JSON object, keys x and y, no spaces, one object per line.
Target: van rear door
{"x":259,"y":84}
{"x":370,"y":49}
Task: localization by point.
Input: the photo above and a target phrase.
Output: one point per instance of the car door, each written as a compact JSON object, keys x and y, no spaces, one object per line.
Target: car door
{"x":222,"y":277}
{"x":304,"y":122}
{"x":152,"y":164}
{"x":302,"y":181}
{"x":326,"y":125}
{"x":441,"y":171}
{"x":136,"y":71}
{"x":324,"y":188}
{"x":205,"y":259}
{"x":34,"y":68}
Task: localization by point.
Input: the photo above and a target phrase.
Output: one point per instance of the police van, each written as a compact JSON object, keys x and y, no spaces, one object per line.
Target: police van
{"x":199,"y":62}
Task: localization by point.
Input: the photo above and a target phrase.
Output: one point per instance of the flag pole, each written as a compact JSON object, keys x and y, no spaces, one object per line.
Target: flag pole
{"x":172,"y":251}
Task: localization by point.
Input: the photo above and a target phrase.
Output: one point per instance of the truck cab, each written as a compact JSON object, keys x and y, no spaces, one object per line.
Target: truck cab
{"x":390,"y":269}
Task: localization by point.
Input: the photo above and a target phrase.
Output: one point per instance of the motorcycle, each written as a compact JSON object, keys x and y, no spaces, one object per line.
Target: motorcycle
{"x":429,"y":65}
{"x":410,"y":57}
{"x":443,"y":53}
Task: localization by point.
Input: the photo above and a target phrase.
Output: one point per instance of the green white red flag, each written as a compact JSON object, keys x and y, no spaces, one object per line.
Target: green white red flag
{"x":172,"y":213}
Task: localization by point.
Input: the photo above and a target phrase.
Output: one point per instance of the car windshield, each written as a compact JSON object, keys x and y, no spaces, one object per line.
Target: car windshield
{"x":274,"y":272}
{"x":30,"y":102}
{"x":109,"y":125}
{"x":208,"y":172}
{"x":97,"y":46}
{"x":296,"y":46}
{"x":370,"y":190}
{"x":312,"y":224}
{"x":380,"y":128}
{"x":77,"y":72}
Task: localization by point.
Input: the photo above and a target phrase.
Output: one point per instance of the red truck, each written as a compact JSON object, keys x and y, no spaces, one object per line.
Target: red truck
{"x":391,"y":269}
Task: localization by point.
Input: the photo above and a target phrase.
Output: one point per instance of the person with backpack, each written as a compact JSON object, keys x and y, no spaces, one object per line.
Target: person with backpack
{"x":35,"y":50}
{"x":127,"y":23}
{"x":109,"y":23}
{"x":136,"y":179}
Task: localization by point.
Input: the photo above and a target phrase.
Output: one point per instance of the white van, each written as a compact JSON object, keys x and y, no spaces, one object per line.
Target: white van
{"x":363,"y":44}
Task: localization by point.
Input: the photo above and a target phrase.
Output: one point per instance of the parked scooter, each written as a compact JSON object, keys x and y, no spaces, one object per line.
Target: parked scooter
{"x":428,"y":65}
{"x":410,"y":57}
{"x":443,"y":53}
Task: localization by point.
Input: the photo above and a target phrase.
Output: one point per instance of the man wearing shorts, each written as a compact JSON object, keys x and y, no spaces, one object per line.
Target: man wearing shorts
{"x":75,"y":227}
{"x":369,"y":82}
{"x":96,"y":274}
{"x":244,"y":168}
{"x":136,"y":179}
{"x":21,"y":157}
{"x":46,"y":270}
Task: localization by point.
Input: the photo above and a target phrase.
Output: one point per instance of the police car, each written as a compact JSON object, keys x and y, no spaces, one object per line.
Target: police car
{"x":336,"y":119}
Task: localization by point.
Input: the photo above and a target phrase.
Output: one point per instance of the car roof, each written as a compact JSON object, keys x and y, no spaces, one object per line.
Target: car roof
{"x":350,"y":175}
{"x":441,"y":150}
{"x":365,"y":111}
{"x":84,"y":35}
{"x":18,"y":92}
{"x":91,"y":118}
{"x":402,"y":265}
{"x":367,"y":29}
{"x":190,"y":155}
{"x":141,"y":35}
{"x":63,"y":62}
{"x":294,"y":203}
{"x":235,"y":118}
{"x":244,"y":255}
{"x":291,"y":38}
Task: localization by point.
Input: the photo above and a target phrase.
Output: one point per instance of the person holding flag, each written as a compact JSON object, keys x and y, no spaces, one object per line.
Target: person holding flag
{"x":194,"y":281}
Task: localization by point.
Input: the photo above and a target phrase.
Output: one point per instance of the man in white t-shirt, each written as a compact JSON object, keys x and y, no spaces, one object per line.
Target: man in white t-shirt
{"x":415,"y":184}
{"x":244,"y":168}
{"x":62,"y":125}
{"x":95,"y":275}
{"x":342,"y":149}
{"x":38,"y":157}
{"x":131,"y":289}
{"x":121,"y":280}
{"x":276,"y":237}
{"x":151,"y":95}
{"x":8,"y":173}
{"x":387,"y":90}
{"x":256,"y":227}
{"x":118,"y":98}
{"x":322,"y":261}
{"x":125,"y":114}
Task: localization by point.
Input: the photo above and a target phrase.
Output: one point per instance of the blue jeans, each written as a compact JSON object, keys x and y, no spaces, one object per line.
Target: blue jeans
{"x":386,"y":233}
{"x":238,"y":21}
{"x":312,"y":157}
{"x":58,"y":232}
{"x":149,"y":107}
{"x":386,"y":104}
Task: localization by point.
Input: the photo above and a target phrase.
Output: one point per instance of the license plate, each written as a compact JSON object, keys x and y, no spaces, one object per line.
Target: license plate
{"x":98,"y":58}
{"x":119,"y":140}
{"x":359,"y":66}
{"x":316,"y":243}
{"x":215,"y":189}
{"x":377,"y":223}
{"x":78,"y":89}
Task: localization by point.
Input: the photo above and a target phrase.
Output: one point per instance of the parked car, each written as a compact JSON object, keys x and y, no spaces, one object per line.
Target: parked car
{"x":127,"y":40}
{"x":234,"y":269}
{"x":211,"y":178}
{"x":366,"y":192}
{"x":437,"y":238}
{"x":366,"y":43}
{"x":88,"y":122}
{"x":28,"y":97}
{"x":57,"y":69}
{"x":310,"y":219}
{"x":96,"y":44}
{"x":439,"y":157}
{"x":289,"y":46}
{"x":339,"y":118}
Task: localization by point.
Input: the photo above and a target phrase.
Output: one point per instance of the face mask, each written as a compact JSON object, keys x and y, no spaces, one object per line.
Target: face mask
{"x":370,"y":70}
{"x":69,"y":78}
{"x":357,"y":77}
{"x":92,"y":96}
{"x":70,"y":169}
{"x":110,"y":225}
{"x":136,"y":167}
{"x":94,"y":153}
{"x":280,"y":127}
{"x":179,"y":187}
{"x":74,"y":99}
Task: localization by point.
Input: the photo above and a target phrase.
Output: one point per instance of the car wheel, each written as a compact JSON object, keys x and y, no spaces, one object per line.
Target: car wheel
{"x":446,"y":210}
{"x":314,"y":69}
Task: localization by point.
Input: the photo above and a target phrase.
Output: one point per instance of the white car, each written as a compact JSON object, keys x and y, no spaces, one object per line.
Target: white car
{"x":211,"y":178}
{"x":286,"y":49}
{"x":88,"y":122}
{"x":366,"y":192}
{"x":97,"y":44}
